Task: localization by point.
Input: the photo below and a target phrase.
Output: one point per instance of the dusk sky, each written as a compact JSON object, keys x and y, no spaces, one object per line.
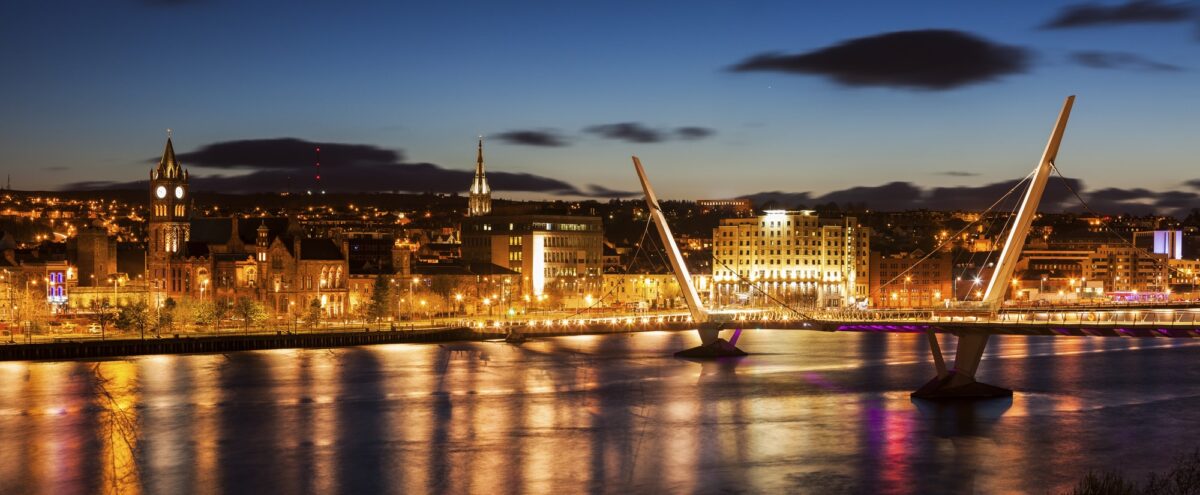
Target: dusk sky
{"x":720,"y":99}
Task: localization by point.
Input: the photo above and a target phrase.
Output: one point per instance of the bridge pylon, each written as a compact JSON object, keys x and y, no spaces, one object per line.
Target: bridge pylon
{"x":959,"y":382}
{"x":709,"y":323}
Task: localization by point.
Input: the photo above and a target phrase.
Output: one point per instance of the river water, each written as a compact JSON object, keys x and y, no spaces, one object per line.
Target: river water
{"x":807,"y":412}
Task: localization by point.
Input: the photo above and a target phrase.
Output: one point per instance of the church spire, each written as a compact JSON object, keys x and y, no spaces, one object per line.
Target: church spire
{"x":168,"y":166}
{"x":479,"y":159}
{"x":480,"y":201}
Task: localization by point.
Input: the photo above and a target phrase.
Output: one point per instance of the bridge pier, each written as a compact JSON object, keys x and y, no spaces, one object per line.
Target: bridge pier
{"x":711,"y":344}
{"x":959,"y":382}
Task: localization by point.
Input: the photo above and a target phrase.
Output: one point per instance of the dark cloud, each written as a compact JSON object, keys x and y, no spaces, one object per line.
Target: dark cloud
{"x":283,"y":153}
{"x":57,"y":168}
{"x":901,"y":196}
{"x":285,"y":164}
{"x":627,"y":131}
{"x":957,"y":173}
{"x":1178,"y":199}
{"x":636,"y":132}
{"x":1194,"y":183}
{"x":693,"y":133}
{"x":1133,"y":12}
{"x":1119,"y":60}
{"x":533,"y":138}
{"x":407,"y":177}
{"x":604,"y":192}
{"x":1117,"y":194}
{"x":1140,"y":201}
{"x":934,"y":59}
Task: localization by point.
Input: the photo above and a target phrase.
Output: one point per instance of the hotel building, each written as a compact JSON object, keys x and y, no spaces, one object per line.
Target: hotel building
{"x":793,"y":256}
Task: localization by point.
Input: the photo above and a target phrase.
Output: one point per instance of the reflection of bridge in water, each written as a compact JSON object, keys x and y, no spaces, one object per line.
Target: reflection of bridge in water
{"x":972,"y":322}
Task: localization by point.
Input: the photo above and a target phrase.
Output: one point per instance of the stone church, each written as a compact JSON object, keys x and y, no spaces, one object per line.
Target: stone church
{"x":224,"y":258}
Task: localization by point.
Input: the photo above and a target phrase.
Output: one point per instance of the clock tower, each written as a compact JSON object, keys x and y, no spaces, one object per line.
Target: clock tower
{"x":170,"y":207}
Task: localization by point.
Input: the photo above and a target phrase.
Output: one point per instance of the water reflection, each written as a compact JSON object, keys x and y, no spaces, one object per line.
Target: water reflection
{"x":805,"y":412}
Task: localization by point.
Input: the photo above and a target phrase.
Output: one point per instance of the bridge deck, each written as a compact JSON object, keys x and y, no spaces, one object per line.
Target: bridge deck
{"x":1159,"y":322}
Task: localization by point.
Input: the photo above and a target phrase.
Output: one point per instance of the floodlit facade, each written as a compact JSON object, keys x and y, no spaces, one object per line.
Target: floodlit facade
{"x":792,"y":255}
{"x":542,"y":248}
{"x":911,"y":280}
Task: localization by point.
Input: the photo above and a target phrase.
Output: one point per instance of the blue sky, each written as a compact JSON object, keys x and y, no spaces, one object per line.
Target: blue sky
{"x":89,"y":88}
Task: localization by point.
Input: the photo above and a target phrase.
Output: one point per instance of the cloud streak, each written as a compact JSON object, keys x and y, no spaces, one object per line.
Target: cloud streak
{"x":604,"y":192}
{"x":1133,"y":12}
{"x":632,"y":132}
{"x":693,"y":133}
{"x":933,"y":59}
{"x":636,"y":132}
{"x":544,"y":138}
{"x":1120,"y":60}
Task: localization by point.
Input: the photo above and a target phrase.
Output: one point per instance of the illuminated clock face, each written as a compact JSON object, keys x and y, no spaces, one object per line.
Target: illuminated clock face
{"x":179,"y":192}
{"x":161,"y":192}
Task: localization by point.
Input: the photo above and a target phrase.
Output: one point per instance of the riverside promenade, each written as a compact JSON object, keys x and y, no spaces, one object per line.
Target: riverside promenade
{"x":66,"y":349}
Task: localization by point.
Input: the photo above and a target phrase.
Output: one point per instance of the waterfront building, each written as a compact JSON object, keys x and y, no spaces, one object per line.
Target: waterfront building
{"x":792,"y":255}
{"x":1165,"y":242}
{"x":542,"y":248}
{"x":267,"y":259}
{"x":911,"y":280}
{"x":1185,"y":276}
{"x":94,"y":255}
{"x":738,"y":207}
{"x":1128,"y":270}
{"x":648,"y":291}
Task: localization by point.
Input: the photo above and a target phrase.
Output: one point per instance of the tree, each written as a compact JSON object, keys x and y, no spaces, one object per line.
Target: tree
{"x":166,"y":315}
{"x":105,"y":315}
{"x":313,"y":316}
{"x":220,"y":312}
{"x":204,"y":313}
{"x":251,"y":312}
{"x":210,"y":313}
{"x":380,"y":299}
{"x":135,"y":316}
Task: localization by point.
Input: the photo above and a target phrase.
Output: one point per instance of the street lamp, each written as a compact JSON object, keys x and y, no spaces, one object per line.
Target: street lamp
{"x":411,"y":285}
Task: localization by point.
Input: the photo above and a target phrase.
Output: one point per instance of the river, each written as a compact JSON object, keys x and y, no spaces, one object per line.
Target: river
{"x":806,"y":412}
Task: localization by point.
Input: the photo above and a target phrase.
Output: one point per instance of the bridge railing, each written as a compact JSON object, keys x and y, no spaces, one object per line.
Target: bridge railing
{"x":1027,"y":316}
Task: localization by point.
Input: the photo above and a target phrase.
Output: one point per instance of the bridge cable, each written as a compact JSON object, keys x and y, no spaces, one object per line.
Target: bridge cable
{"x":640,"y":243}
{"x":765,"y":293}
{"x":955,"y":236}
{"x":1108,"y":229}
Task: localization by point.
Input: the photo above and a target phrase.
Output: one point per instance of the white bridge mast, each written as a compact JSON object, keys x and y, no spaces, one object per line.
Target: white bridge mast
{"x":998,"y":285}
{"x":678,"y":267}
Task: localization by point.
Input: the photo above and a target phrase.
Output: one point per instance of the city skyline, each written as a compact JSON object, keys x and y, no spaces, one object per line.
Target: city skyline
{"x":703,"y":98}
